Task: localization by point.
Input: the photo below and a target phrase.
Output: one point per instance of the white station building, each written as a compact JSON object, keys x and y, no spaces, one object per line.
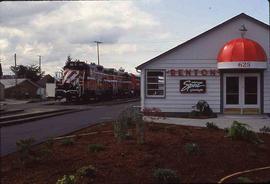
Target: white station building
{"x":227,"y":66}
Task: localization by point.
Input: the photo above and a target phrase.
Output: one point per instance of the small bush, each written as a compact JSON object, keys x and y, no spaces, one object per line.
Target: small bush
{"x":241,"y":131}
{"x":244,"y":180}
{"x":24,"y":148}
{"x":166,"y":176}
{"x":128,"y":118}
{"x":67,"y":141}
{"x":120,"y":130}
{"x":96,"y":147}
{"x":192,"y":148}
{"x":211,"y":125}
{"x":67,"y":179}
{"x":202,"y":109}
{"x":87,"y":171}
{"x":265,"y":129}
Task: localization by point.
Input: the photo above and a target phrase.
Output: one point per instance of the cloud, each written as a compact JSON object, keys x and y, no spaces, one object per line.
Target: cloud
{"x":57,"y":29}
{"x":21,"y":13}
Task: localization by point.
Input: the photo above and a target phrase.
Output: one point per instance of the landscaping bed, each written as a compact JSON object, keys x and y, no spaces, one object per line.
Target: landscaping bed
{"x":166,"y":146}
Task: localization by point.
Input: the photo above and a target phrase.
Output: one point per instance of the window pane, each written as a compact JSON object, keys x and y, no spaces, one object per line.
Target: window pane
{"x":250,"y":99}
{"x":232,"y":90}
{"x":232,"y":85}
{"x":250,"y":84}
{"x":155,"y":73}
{"x":232,"y":99}
{"x":251,"y":88}
{"x":154,"y":80}
{"x":155,"y":92}
{"x":155,"y":86}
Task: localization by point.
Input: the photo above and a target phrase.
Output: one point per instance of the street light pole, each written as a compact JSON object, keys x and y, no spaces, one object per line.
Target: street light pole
{"x":39,"y":62}
{"x":98,"y":42}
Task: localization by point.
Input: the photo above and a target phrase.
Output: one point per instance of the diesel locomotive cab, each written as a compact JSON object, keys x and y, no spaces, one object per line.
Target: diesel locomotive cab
{"x":70,"y":87}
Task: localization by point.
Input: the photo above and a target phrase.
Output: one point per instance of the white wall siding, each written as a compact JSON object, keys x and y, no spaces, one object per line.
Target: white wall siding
{"x":267,"y":90}
{"x":175,"y":101}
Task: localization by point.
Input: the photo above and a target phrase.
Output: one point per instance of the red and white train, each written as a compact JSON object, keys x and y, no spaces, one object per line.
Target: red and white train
{"x":82,"y":81}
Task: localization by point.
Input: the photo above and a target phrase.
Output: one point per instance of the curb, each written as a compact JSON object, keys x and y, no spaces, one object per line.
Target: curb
{"x":118,"y":102}
{"x":11,"y":112}
{"x":8,"y":118}
{"x":29,"y":119}
{"x":42,"y":115}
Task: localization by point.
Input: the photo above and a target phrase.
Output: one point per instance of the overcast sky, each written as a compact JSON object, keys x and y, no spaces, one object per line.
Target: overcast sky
{"x":132,"y":32}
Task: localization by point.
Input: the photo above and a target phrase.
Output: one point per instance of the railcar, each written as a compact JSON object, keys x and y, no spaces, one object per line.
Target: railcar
{"x":82,"y":81}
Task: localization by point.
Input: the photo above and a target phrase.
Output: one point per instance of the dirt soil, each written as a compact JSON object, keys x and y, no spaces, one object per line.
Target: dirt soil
{"x":128,"y":162}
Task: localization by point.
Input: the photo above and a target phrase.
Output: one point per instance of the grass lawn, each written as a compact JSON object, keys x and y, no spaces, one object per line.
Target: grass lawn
{"x":166,"y":146}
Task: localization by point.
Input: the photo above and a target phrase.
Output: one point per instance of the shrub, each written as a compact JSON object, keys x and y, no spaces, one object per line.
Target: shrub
{"x":67,"y":179}
{"x":166,"y":176}
{"x":120,"y":128}
{"x":96,"y":147}
{"x":265,"y":129}
{"x":241,"y":131}
{"x":67,"y":141}
{"x":202,"y":109}
{"x":87,"y":171}
{"x":24,"y":148}
{"x":127,"y":118}
{"x":211,"y":125}
{"x":192,"y":148}
{"x":244,"y":180}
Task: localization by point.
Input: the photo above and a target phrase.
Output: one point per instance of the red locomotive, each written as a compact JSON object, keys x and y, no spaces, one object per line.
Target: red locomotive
{"x":82,"y":81}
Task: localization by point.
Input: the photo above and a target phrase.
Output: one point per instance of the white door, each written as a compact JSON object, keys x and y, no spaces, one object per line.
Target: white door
{"x":242,"y":93}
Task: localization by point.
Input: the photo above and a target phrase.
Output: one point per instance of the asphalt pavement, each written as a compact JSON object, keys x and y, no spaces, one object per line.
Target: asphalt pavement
{"x":43,"y":129}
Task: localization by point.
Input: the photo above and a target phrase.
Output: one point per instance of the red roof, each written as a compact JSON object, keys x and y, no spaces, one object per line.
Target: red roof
{"x":241,"y":49}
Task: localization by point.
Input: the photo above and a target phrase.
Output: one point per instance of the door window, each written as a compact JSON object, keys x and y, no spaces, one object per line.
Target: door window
{"x":251,"y":90}
{"x":232,"y":90}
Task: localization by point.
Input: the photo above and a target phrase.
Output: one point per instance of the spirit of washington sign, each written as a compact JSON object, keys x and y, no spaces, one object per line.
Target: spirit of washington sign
{"x":192,"y":86}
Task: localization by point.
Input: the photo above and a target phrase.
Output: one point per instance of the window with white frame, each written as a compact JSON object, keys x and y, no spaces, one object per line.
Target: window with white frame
{"x":155,"y":83}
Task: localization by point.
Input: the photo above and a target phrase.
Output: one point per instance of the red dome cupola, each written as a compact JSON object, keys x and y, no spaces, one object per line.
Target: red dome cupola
{"x":242,"y":53}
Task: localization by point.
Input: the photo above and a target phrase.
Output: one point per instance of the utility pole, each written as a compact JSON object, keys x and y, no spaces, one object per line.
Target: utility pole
{"x":15,"y":60}
{"x":97,"y":42}
{"x":39,"y":62}
{"x":1,"y":71}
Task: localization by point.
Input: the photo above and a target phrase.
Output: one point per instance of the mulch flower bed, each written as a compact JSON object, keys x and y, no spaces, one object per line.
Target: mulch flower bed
{"x":128,"y":162}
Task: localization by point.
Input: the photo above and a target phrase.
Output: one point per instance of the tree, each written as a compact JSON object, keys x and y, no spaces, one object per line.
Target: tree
{"x":69,"y":59}
{"x":31,"y":72}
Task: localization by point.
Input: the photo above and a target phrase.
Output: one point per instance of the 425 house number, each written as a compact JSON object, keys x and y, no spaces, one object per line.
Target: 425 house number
{"x":244,"y":65}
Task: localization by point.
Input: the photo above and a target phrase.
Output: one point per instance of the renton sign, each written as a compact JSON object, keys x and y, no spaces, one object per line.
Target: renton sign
{"x":193,"y":72}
